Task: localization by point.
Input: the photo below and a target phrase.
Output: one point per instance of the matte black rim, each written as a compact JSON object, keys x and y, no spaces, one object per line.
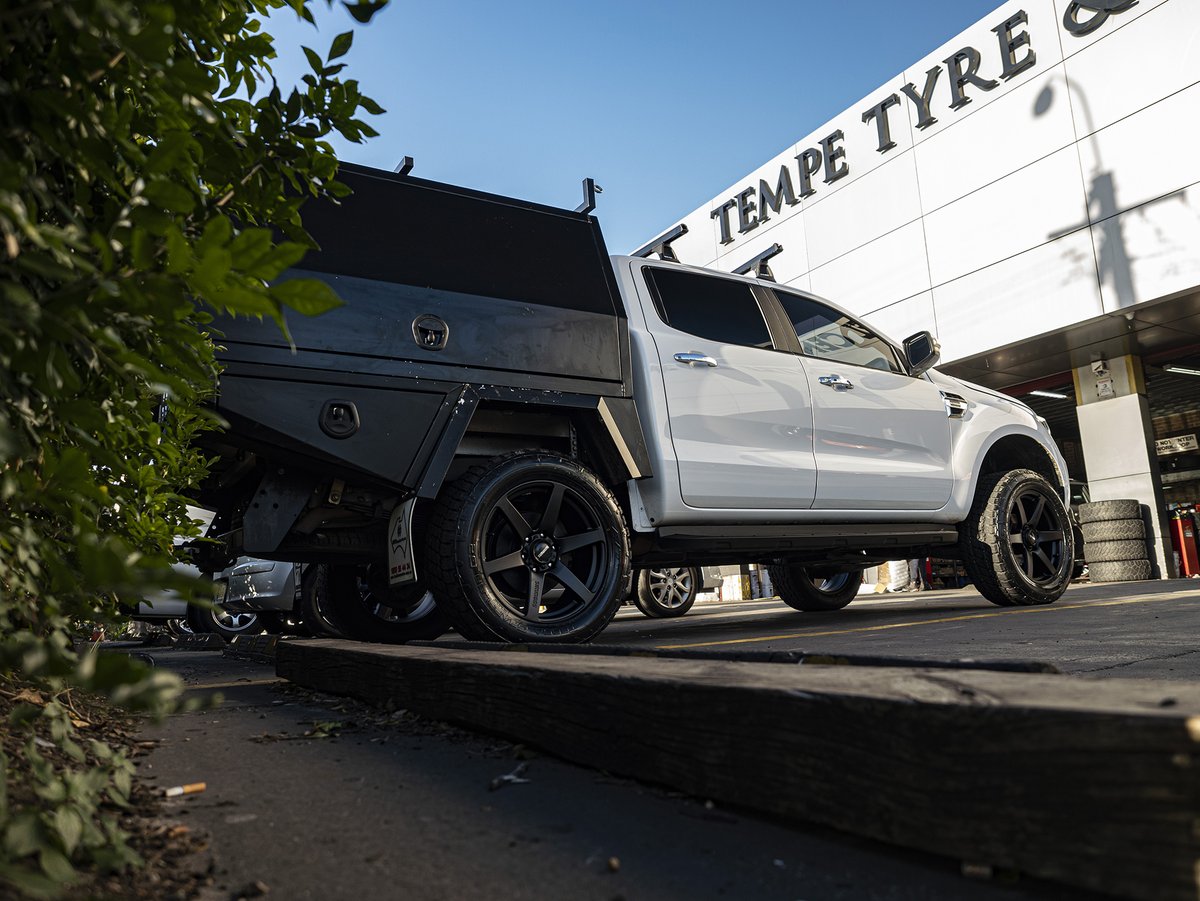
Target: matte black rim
{"x":544,"y":551}
{"x":1036,"y":537}
{"x":670,"y":588}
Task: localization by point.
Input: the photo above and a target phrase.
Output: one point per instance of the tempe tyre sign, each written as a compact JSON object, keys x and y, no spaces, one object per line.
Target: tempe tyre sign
{"x":970,"y":71}
{"x":1085,"y":16}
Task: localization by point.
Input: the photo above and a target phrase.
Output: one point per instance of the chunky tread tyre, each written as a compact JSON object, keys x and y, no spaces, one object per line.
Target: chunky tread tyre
{"x":364,"y":608}
{"x":1120,"y":571}
{"x":1113,"y":530}
{"x":1116,"y":551}
{"x":801,"y":589}
{"x":315,"y":612}
{"x":484,"y":563}
{"x":667,"y":592}
{"x":986,"y":540}
{"x":1098,"y":511}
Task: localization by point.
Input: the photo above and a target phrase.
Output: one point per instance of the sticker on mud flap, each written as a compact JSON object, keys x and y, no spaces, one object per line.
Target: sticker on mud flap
{"x":402,"y":563}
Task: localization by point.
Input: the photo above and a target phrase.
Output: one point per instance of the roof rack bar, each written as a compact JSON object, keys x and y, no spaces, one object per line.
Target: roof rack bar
{"x":662,"y":245}
{"x":406,"y":166}
{"x":590,"y":190}
{"x":758,"y":265}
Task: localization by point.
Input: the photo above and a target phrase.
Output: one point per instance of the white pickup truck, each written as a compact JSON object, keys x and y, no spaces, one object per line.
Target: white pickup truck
{"x":503,"y":415}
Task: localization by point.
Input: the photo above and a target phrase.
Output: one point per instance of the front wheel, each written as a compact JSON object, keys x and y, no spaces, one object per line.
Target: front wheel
{"x":667,"y":592}
{"x":815,"y":589}
{"x":529,"y":547}
{"x":1017,"y":541}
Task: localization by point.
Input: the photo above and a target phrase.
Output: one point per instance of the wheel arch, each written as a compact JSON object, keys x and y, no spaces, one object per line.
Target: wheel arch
{"x":1019,"y":450}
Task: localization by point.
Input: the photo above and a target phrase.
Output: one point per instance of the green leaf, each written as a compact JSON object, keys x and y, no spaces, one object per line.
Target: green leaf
{"x":364,"y":10}
{"x":56,"y":866}
{"x":314,"y":60}
{"x":69,"y":826}
{"x":170,"y":196}
{"x":306,"y":295}
{"x":23,"y":835}
{"x":341,"y":45}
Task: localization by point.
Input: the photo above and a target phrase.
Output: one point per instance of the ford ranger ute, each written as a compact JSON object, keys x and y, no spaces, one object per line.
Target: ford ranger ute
{"x":502,"y":421}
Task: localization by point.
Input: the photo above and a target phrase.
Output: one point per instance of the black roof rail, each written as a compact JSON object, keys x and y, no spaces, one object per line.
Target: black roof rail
{"x":590,"y":190}
{"x":662,"y":245}
{"x":758,"y":267}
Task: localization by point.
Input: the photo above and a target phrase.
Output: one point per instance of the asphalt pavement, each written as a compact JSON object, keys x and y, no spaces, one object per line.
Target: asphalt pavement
{"x":317,"y":797}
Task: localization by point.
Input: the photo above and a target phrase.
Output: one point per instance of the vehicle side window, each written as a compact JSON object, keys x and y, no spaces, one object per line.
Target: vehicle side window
{"x":719,"y":309}
{"x":829,"y":335}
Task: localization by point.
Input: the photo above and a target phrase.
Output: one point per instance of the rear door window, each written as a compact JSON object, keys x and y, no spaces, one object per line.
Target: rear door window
{"x":718,"y":309}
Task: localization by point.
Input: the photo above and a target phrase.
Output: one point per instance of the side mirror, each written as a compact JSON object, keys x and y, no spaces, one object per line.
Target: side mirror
{"x":922,"y":351}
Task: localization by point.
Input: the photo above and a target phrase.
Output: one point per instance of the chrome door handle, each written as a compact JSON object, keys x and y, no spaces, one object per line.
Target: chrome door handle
{"x":692,"y":358}
{"x":836,"y":382}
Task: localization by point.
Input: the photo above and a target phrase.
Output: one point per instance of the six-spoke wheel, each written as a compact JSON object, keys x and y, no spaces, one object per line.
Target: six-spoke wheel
{"x":527,"y":547}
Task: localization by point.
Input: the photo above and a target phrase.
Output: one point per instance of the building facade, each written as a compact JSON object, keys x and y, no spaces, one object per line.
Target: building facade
{"x":1030,"y":193}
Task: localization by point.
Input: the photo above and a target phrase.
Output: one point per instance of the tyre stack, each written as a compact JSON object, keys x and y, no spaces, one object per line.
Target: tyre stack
{"x":1114,"y":539}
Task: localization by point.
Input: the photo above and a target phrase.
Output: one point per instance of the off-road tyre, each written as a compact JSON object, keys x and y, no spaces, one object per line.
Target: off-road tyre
{"x":1113,"y":530}
{"x":1120,"y":571}
{"x":1037,"y":566}
{"x":365,"y":608}
{"x":667,"y":592}
{"x":815,"y":589}
{"x":1099,"y":511}
{"x":490,"y":565}
{"x":315,"y":612}
{"x":1116,"y":551}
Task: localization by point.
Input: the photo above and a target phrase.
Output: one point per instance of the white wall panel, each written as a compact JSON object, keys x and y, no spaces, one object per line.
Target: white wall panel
{"x":877,"y":275}
{"x":1028,"y":208}
{"x":872,"y":206}
{"x":1148,"y":155}
{"x":1072,"y":44}
{"x":1042,"y":290}
{"x":1133,"y":67}
{"x":1150,"y":252}
{"x":997,"y":141}
{"x":906,"y":318}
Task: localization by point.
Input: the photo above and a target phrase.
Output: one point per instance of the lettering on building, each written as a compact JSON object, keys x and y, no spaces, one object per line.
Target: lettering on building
{"x":966,"y":74}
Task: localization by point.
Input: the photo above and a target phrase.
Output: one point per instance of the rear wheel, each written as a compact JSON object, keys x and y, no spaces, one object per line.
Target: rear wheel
{"x":362,"y":606}
{"x":529,"y":547}
{"x":314,"y":602}
{"x":815,"y":589}
{"x":667,"y":592}
{"x":1017,"y":541}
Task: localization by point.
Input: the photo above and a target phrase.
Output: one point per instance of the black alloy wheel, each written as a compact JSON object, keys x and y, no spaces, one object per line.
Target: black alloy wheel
{"x":528,"y":547}
{"x":1017,"y":542}
{"x":667,"y":592}
{"x":815,"y":589}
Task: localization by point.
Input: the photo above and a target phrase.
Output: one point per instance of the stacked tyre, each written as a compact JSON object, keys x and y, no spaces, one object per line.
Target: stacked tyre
{"x":1114,"y":537}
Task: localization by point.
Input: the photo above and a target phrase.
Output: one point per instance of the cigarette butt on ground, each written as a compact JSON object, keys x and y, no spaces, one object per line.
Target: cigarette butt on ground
{"x":189,"y":789}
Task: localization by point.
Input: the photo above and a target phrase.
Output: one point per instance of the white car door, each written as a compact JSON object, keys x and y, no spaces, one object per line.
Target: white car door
{"x":880,"y":436}
{"x":739,"y":411}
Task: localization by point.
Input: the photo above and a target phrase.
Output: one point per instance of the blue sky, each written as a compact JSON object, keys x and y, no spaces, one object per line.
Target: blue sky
{"x":664,"y":103}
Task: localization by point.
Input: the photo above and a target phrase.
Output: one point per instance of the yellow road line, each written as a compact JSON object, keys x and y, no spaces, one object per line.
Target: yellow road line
{"x":1050,"y":608}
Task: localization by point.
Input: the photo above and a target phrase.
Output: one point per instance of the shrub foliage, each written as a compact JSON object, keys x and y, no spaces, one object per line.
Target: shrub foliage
{"x":150,"y":168}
